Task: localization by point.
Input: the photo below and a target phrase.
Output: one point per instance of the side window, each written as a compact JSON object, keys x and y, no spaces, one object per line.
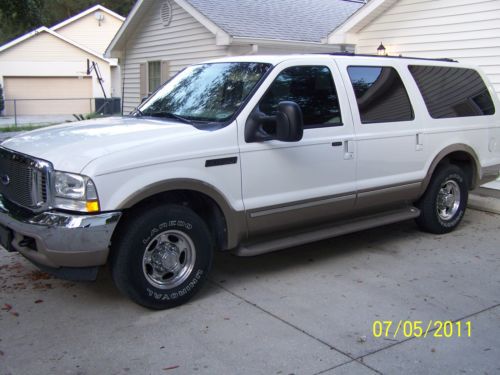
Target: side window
{"x":380,"y":94}
{"x":312,"y":88}
{"x":452,"y":92}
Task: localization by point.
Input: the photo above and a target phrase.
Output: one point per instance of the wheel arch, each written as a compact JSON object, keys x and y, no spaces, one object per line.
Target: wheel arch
{"x":205,"y":199}
{"x":458,"y":154}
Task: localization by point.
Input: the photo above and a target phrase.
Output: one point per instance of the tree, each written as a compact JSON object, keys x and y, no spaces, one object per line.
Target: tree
{"x":2,"y":103}
{"x":18,"y":17}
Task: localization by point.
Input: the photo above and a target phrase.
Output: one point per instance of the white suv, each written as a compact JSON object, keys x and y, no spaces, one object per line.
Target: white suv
{"x":248,"y":154}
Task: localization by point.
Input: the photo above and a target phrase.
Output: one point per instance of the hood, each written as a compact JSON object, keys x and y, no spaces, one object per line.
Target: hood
{"x":70,"y":147}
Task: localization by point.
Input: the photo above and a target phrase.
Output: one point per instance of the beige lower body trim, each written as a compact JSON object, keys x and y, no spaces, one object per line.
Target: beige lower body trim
{"x":388,"y":195}
{"x":490,"y":173}
{"x":299,"y":215}
{"x":333,"y":229}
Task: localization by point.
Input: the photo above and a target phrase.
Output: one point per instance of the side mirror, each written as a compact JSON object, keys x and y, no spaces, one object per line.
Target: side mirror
{"x":144,"y":99}
{"x":289,"y":122}
{"x":286,"y":126}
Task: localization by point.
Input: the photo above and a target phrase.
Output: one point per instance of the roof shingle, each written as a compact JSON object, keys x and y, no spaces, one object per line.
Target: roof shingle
{"x":296,"y":20}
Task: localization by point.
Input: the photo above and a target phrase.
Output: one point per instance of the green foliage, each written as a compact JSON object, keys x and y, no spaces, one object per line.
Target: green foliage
{"x":12,"y":128}
{"x":18,"y":17}
{"x":2,"y":103}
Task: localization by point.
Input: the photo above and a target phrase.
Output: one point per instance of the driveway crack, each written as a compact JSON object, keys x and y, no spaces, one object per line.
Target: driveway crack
{"x":297,"y":328}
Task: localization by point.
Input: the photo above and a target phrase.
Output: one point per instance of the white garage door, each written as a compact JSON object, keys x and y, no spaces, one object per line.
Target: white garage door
{"x":48,"y":95}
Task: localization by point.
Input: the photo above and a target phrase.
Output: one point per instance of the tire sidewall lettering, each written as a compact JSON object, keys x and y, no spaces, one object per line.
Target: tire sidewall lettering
{"x":168,"y":296}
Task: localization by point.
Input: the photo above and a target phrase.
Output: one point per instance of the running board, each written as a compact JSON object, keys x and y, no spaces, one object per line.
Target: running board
{"x":338,"y":229}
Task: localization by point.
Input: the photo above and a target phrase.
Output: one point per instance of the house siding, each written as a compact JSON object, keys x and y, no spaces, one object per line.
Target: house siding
{"x":466,"y":30}
{"x":183,"y":42}
{"x":87,"y":32}
{"x":44,"y":55}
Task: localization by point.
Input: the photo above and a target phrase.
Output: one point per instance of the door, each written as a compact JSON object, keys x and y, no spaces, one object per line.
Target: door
{"x":389,"y":142}
{"x":295,"y":184}
{"x":49,"y":95}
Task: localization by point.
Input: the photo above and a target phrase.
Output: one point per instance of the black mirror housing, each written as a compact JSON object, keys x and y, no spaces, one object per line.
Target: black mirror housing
{"x":286,"y":126}
{"x":289,"y":122}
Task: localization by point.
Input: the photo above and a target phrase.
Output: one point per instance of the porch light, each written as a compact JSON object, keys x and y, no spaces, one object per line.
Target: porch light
{"x":381,"y":51}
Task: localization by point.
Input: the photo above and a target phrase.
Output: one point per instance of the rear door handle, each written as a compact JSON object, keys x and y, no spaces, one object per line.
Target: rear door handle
{"x":419,"y":146}
{"x":348,"y":149}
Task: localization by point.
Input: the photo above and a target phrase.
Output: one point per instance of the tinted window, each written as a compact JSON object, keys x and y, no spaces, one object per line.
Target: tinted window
{"x":380,"y":94}
{"x":208,"y":92}
{"x":312,"y":88}
{"x":452,"y":92}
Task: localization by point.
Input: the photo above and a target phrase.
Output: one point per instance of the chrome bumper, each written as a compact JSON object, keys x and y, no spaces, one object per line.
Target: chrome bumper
{"x":56,"y":239}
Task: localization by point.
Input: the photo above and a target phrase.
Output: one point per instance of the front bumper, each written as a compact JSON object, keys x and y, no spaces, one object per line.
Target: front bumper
{"x":61,"y":240}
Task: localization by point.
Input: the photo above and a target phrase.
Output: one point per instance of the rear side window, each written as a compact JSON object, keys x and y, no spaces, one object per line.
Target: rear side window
{"x":452,"y":92}
{"x":380,"y":94}
{"x":312,"y":88}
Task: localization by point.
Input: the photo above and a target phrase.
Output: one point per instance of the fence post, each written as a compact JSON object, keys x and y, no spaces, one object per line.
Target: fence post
{"x":15,"y":113}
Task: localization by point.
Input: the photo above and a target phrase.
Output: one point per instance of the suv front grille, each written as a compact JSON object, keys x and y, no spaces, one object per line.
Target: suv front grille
{"x":23,"y":179}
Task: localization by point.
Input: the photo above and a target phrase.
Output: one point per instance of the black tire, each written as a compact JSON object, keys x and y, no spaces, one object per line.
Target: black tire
{"x":436,"y":217}
{"x":165,"y":233}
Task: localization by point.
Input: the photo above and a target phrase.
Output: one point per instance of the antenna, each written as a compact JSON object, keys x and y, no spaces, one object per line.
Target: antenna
{"x":99,"y":17}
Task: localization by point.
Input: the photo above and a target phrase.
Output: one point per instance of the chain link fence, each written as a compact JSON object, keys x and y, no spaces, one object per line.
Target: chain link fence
{"x":34,"y":112}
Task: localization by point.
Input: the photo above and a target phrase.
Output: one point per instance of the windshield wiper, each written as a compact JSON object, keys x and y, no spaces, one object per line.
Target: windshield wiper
{"x":168,"y":115}
{"x":138,"y":112}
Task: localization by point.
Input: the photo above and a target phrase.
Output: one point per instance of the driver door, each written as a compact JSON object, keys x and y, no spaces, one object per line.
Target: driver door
{"x":288,"y":185}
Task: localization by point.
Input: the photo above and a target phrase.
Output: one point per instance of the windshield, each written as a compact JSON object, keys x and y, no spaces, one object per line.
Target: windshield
{"x":208,"y":92}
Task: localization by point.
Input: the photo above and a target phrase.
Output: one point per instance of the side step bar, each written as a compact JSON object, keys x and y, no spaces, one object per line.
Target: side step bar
{"x":338,"y":229}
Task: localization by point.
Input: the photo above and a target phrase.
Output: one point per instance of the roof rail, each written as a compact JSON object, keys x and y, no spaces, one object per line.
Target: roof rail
{"x":389,"y":56}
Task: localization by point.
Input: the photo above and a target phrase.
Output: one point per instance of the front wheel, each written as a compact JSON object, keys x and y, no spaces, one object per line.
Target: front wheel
{"x":443,"y":204}
{"x":162,"y":256}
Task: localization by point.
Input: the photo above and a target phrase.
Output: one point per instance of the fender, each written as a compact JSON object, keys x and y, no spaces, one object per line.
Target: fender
{"x":476,"y":166}
{"x":235,"y":220}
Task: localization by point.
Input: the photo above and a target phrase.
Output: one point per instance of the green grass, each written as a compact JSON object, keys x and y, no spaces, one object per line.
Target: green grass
{"x":20,"y":128}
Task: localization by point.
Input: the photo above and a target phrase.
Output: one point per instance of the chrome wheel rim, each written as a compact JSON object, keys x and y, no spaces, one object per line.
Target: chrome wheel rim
{"x":169,"y":259}
{"x":448,"y":200}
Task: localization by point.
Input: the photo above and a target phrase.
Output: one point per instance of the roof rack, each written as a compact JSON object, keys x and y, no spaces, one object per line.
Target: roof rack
{"x":389,"y":56}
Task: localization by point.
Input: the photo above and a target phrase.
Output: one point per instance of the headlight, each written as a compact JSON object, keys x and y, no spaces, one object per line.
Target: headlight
{"x":75,"y":192}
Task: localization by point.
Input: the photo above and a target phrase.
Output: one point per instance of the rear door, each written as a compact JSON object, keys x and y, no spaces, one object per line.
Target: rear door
{"x":291,"y":185}
{"x":389,"y":143}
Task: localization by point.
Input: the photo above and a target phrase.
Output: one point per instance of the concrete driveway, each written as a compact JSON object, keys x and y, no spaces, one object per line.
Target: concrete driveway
{"x":307,"y":310}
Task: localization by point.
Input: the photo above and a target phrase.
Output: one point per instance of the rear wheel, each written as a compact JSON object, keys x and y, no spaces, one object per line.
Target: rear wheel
{"x":443,"y":204}
{"x":162,"y":256}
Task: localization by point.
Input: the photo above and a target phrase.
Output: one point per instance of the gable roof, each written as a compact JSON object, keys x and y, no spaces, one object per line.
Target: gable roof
{"x":302,"y":21}
{"x":358,"y":20}
{"x":52,"y":32}
{"x":86,"y":12}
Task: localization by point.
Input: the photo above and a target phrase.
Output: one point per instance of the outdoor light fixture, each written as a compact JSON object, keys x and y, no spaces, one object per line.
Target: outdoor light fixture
{"x":381,"y":50}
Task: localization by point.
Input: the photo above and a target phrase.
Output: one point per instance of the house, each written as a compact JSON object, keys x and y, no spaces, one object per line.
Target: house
{"x":160,"y":37}
{"x":46,"y":70}
{"x":465,"y":30}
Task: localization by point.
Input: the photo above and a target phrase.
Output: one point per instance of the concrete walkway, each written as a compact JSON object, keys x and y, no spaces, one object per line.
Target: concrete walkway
{"x":307,"y":310}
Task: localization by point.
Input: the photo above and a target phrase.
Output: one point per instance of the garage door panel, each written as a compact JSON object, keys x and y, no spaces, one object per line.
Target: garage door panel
{"x":48,"y":95}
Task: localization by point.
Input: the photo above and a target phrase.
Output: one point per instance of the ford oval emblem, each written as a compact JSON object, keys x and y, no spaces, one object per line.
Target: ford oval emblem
{"x":5,"y":179}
